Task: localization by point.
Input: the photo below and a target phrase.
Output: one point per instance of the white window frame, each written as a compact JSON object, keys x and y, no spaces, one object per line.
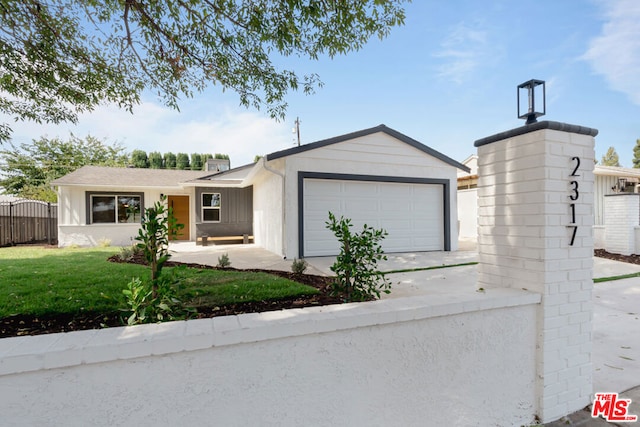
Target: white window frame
{"x":217,"y":207}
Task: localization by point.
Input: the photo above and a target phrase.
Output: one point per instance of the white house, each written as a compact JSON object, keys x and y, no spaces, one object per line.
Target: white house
{"x":376,"y":176}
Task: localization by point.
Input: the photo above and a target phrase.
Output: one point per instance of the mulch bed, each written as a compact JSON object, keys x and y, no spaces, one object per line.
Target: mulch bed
{"x":631,"y":259}
{"x":36,"y":325}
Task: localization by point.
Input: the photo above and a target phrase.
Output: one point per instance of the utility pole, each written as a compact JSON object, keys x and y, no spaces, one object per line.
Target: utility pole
{"x":296,"y":130}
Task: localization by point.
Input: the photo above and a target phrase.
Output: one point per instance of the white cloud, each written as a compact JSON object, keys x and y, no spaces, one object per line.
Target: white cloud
{"x":461,"y":52}
{"x":615,"y":53}
{"x":199,"y":128}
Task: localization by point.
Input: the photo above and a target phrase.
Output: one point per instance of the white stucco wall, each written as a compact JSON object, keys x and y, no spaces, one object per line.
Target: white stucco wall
{"x":267,"y":208}
{"x":375,"y":154}
{"x":468,"y":213}
{"x":72,"y":216}
{"x":429,"y":360}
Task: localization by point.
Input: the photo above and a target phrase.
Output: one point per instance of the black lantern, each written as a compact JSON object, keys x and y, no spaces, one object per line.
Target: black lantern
{"x":535,"y":89}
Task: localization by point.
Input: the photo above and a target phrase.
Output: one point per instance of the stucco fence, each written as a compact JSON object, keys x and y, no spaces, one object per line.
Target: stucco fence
{"x":461,"y":360}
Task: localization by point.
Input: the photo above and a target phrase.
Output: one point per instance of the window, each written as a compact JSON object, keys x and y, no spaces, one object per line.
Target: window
{"x":210,"y":207}
{"x":115,"y":209}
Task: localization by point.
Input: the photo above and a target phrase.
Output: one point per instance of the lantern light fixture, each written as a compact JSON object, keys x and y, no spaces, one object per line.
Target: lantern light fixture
{"x":535,"y":90}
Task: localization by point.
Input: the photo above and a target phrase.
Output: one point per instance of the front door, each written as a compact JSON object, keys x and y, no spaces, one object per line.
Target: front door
{"x":180,"y":206}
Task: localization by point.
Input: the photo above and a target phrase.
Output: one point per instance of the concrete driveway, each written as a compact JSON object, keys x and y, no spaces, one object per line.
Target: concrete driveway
{"x":616,"y":322}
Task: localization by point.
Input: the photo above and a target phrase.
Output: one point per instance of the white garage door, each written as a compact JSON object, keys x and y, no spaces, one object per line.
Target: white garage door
{"x":412,"y":214}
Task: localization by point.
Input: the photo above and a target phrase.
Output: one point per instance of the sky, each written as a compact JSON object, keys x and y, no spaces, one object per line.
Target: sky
{"x":446,"y":78}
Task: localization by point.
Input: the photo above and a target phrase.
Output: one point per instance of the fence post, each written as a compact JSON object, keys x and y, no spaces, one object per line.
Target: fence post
{"x":49,"y":223}
{"x":11,"y":224}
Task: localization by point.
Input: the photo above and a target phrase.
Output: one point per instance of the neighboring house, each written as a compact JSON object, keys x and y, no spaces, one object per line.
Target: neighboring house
{"x":376,"y":176}
{"x":608,"y":180}
{"x":468,"y":199}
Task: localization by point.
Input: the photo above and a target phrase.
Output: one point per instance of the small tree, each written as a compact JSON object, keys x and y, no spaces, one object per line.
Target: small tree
{"x":158,"y":226}
{"x":611,"y":158}
{"x":636,"y":154}
{"x":356,"y":266}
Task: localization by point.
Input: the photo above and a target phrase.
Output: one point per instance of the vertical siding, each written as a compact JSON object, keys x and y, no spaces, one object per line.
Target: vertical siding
{"x":236,"y":212}
{"x":603,"y":186}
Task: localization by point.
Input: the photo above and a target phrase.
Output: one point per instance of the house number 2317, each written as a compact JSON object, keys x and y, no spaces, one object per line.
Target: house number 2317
{"x":574,"y":195}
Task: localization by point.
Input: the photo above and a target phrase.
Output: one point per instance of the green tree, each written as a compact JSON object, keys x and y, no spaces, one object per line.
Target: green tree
{"x":636,"y":154}
{"x":65,"y":57}
{"x":169,"y":160}
{"x":610,"y":158}
{"x":182,"y":161}
{"x":155,"y":160}
{"x":196,"y":162}
{"x":221,"y":156}
{"x":257,"y":158}
{"x":28,"y":169}
{"x":139,"y":159}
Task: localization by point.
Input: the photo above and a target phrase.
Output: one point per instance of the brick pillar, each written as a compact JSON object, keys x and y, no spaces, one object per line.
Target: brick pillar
{"x":621,"y":216}
{"x":535,"y":218}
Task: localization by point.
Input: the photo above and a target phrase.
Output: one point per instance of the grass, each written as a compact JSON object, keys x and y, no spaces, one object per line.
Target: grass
{"x":435,"y":267}
{"x":45,"y":282}
{"x":612,"y":278}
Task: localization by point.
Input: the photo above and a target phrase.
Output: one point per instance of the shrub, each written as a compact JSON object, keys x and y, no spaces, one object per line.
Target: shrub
{"x":145,"y":308}
{"x":104,"y":242}
{"x":127,"y":253}
{"x":299,"y":266}
{"x":356,"y":265}
{"x":223,"y":261}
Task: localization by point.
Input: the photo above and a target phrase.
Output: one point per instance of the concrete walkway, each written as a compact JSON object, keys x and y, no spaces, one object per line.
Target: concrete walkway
{"x":616,"y":322}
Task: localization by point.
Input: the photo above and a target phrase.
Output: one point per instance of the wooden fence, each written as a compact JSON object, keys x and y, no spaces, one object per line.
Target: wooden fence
{"x":28,"y":221}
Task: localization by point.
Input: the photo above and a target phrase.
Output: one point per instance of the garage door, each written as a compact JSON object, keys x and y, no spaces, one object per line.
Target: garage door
{"x":411,"y":213}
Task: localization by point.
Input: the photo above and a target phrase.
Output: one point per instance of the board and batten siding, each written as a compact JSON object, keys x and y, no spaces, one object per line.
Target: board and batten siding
{"x":236,"y":212}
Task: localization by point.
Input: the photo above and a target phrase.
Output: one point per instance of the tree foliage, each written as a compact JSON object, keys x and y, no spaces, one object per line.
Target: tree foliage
{"x":28,"y":169}
{"x":182,"y":161}
{"x":155,"y":160}
{"x":636,"y":154}
{"x":65,"y":57}
{"x":610,"y":158}
{"x":169,"y":160}
{"x":196,"y":162}
{"x":139,"y":159}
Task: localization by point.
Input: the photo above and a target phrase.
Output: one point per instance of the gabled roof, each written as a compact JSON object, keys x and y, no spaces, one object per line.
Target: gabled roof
{"x":105,"y":176}
{"x":381,"y":128}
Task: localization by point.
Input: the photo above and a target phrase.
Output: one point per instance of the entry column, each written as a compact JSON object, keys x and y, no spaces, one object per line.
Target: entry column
{"x":535,"y":218}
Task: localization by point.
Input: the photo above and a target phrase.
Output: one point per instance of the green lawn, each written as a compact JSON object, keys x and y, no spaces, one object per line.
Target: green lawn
{"x":40,"y":281}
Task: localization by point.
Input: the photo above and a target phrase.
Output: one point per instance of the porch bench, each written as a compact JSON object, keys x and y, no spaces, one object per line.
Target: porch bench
{"x":218,"y":240}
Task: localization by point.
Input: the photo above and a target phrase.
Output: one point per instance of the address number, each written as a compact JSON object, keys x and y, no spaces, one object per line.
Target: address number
{"x":574,"y":195}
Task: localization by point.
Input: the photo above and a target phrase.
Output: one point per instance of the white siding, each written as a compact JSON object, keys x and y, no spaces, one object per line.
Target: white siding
{"x":267,"y":209}
{"x":377,"y":154}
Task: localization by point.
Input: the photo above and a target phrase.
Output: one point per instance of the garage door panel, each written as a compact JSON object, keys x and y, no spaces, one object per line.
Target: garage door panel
{"x":411,"y":213}
{"x":355,"y":188}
